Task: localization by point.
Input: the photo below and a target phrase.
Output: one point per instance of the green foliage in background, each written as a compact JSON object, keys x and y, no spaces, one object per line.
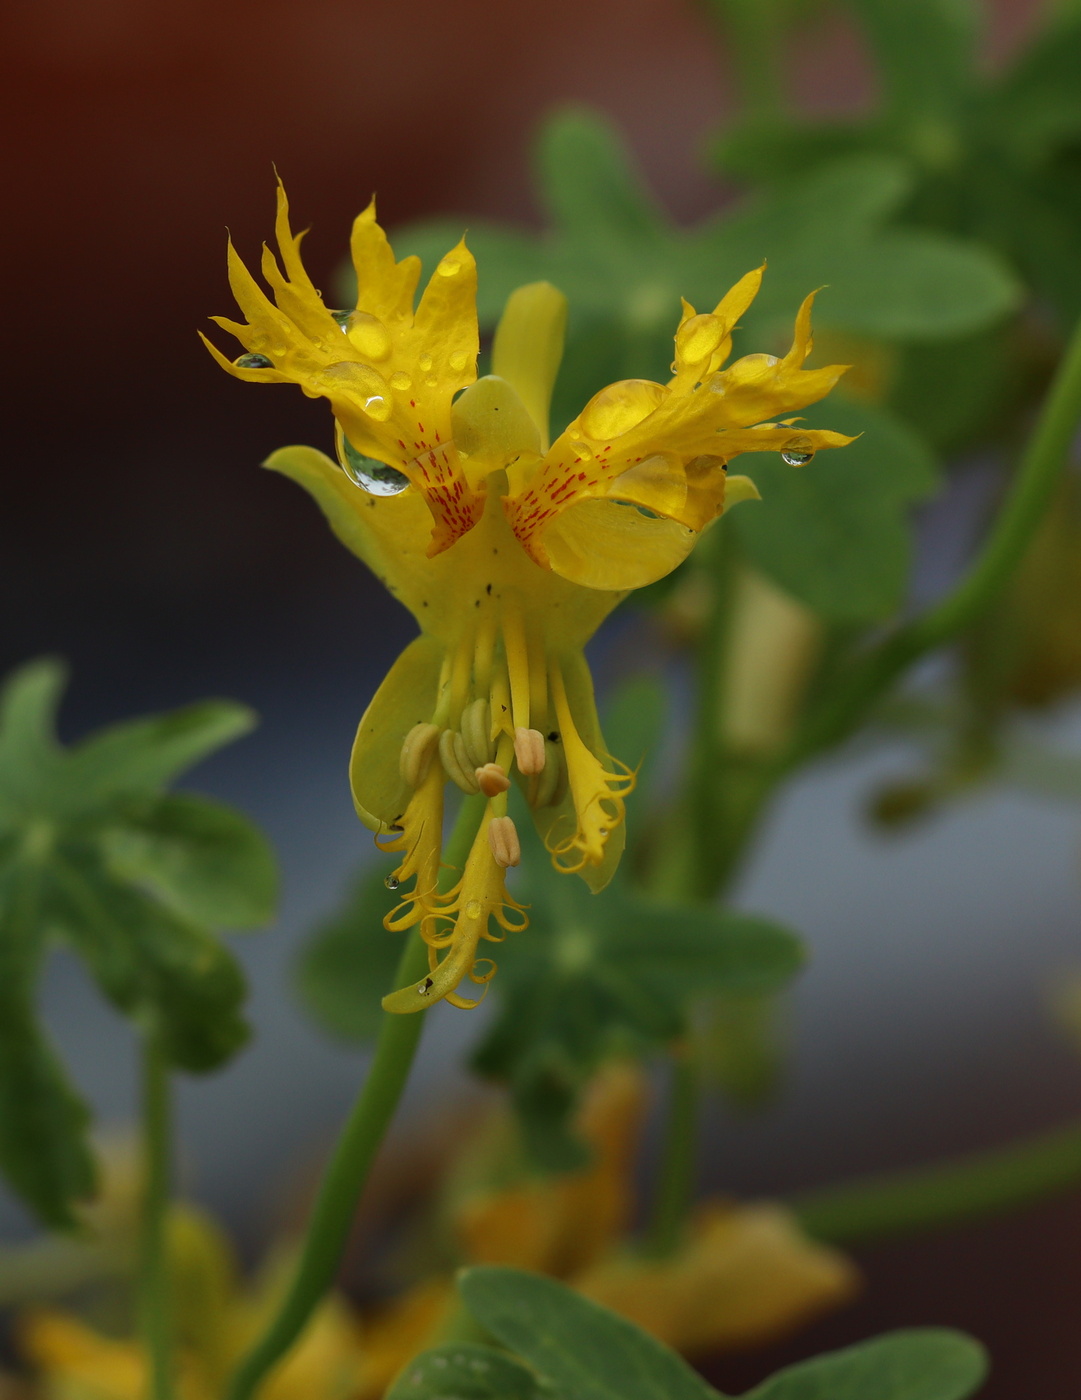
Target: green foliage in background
{"x":581,"y":1351}
{"x":95,"y":855}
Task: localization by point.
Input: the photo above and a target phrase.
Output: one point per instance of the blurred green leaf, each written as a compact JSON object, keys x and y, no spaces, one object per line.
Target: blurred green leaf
{"x":633,"y":726}
{"x":92,"y":853}
{"x":925,"y":53}
{"x":579,"y":1349}
{"x":624,"y":265}
{"x":344,"y":971}
{"x":592,"y":975}
{"x":43,"y":1122}
{"x":835,"y":533}
{"x":463,"y":1371}
{"x":582,"y":1351}
{"x":929,"y":1363}
{"x":204,"y":860}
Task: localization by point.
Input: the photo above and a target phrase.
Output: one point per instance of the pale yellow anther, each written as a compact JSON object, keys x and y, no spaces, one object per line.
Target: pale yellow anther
{"x":503,"y":839}
{"x":491,"y":779}
{"x":455,"y":760}
{"x":529,"y":750}
{"x":417,"y":751}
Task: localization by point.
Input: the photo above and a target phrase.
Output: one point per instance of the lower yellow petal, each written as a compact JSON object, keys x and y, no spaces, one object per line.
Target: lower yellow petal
{"x":611,"y":545}
{"x":406,"y":697}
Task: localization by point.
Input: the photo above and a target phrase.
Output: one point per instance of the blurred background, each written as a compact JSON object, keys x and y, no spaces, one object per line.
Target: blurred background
{"x":139,"y":540}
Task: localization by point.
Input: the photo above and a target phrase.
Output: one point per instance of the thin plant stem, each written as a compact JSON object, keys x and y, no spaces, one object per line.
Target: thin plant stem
{"x":1012,"y":532}
{"x":154,"y":1302}
{"x":361,"y":1137}
{"x":947,"y":1193}
{"x":679,"y":1162}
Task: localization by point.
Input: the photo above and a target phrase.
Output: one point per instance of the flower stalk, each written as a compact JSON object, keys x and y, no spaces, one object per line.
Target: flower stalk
{"x":360,"y":1140}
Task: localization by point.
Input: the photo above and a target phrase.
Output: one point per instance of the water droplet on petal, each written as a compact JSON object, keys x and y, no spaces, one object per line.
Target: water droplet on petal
{"x":431,"y":382}
{"x":458,"y":361}
{"x":371,"y":475}
{"x":400,"y":381}
{"x":472,"y":909}
{"x":425,"y":363}
{"x":449,"y":267}
{"x":392,"y":882}
{"x":377,"y":407}
{"x":253,"y":362}
{"x":797,"y":453}
{"x":342,"y":318}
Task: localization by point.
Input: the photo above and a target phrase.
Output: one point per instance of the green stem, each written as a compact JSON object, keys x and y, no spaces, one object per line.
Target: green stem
{"x":360,"y":1140}
{"x":982,"y":1184}
{"x":678,"y":1168}
{"x":154,"y":1308}
{"x":1010,"y":536}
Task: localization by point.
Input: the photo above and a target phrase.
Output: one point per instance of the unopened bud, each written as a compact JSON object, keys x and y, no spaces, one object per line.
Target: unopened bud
{"x":529,"y":750}
{"x":416,"y":756}
{"x":491,"y":779}
{"x":503,"y":839}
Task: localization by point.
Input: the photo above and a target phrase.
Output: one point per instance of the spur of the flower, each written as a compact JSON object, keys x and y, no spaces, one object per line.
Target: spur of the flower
{"x":508,"y":550}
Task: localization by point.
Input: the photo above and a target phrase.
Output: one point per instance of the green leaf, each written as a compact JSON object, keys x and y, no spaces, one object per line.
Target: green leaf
{"x":581,"y":1350}
{"x":592,"y":191}
{"x":593,"y":975}
{"x":347,"y":967}
{"x":463,"y":1371}
{"x":926,"y":1364}
{"x":925,"y":53}
{"x":44,"y":1152}
{"x":835,"y":534}
{"x":152,"y":964}
{"x":204,"y":860}
{"x":29,"y":752}
{"x":92,"y":852}
{"x":141,"y":755}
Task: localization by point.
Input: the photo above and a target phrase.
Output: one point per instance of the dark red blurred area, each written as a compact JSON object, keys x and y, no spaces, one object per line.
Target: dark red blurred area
{"x":137,"y":535}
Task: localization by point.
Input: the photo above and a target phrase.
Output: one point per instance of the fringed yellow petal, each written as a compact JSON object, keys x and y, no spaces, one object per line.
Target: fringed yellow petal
{"x":457,"y":922}
{"x":385,"y":288}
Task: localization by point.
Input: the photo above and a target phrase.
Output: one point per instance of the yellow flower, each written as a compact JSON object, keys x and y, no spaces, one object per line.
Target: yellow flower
{"x":509,"y":551}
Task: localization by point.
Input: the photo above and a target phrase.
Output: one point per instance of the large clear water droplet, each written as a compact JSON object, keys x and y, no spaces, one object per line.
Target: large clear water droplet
{"x":371,"y":475}
{"x":254,"y":362}
{"x":797,"y":452}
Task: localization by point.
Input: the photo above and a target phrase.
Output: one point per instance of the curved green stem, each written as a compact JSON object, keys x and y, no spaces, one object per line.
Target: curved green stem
{"x":360,"y":1140}
{"x":1003,"y":550}
{"x":154,"y":1310}
{"x":676,"y":1179}
{"x":981,"y":1184}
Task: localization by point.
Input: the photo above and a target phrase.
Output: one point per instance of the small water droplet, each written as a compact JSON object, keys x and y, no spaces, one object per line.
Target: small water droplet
{"x":797,"y":453}
{"x":472,"y":909}
{"x":377,"y":407}
{"x":253,"y":362}
{"x":392,"y":882}
{"x":400,"y":381}
{"x":458,"y":361}
{"x":423,"y":989}
{"x":342,"y":318}
{"x":425,"y":363}
{"x":432,"y":382}
{"x":371,"y":475}
{"x":449,"y":267}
